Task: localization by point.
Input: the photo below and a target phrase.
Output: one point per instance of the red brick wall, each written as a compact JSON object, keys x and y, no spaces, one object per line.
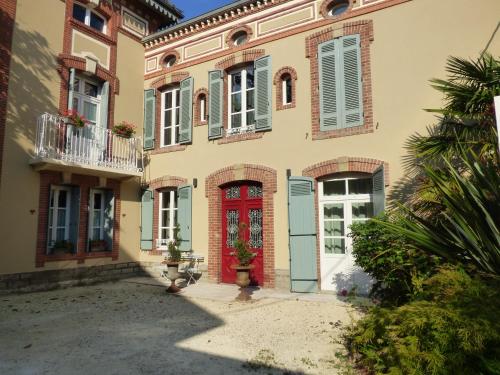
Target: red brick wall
{"x":268,"y":178}
{"x":85,"y":183}
{"x":7,"y":17}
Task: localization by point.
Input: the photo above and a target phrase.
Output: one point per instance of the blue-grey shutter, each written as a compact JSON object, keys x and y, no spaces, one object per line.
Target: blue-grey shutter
{"x":352,"y":106}
{"x":71,"y":86}
{"x":103,"y":110}
{"x":329,"y":85}
{"x":263,"y":99}
{"x":378,"y":191}
{"x":149,"y":119}
{"x":184,"y":216}
{"x":186,"y":111}
{"x":109,"y":217}
{"x":302,"y":234}
{"x":215,"y":101}
{"x":147,"y":220}
{"x":74,"y":217}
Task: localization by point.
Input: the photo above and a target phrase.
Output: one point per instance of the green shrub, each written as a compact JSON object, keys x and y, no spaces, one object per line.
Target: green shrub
{"x":451,"y":327}
{"x":390,"y":259}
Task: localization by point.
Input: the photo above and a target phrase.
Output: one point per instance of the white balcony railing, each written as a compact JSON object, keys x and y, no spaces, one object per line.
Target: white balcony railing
{"x":91,"y":145}
{"x":241,"y":130}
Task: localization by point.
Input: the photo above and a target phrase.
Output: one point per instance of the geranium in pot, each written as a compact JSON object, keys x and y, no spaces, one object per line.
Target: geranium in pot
{"x":75,"y":119}
{"x":124,"y":129}
{"x":244,"y":256}
{"x":173,"y":260}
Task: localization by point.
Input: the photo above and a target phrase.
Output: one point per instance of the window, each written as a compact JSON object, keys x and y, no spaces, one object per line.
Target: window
{"x":241,"y":99}
{"x":170,"y":116}
{"x":89,"y":18}
{"x":286,"y":88}
{"x":101,"y":220}
{"x":169,"y":61}
{"x":240,"y":38}
{"x":343,"y":201}
{"x":338,"y":7}
{"x":59,"y":209}
{"x":168,"y":216}
{"x":96,"y":229}
{"x":203,"y":107}
{"x":87,"y":98}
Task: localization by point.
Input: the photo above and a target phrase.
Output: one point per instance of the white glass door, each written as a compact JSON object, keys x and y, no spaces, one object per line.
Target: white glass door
{"x":59,"y":214}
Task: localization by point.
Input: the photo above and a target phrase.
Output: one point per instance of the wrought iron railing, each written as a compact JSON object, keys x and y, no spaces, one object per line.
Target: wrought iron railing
{"x":89,"y":145}
{"x":241,"y":130}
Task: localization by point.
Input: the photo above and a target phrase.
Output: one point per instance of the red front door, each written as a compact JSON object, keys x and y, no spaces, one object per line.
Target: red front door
{"x":242,"y":203}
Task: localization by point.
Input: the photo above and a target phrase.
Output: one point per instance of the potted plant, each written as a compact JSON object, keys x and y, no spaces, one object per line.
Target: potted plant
{"x":62,"y":247}
{"x":173,"y":260}
{"x":124,"y":129}
{"x":98,"y":245}
{"x":244,"y":256}
{"x":75,"y":119}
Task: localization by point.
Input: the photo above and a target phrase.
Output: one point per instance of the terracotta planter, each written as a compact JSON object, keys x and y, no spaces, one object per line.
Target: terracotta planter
{"x":243,"y":280}
{"x":172,"y":275}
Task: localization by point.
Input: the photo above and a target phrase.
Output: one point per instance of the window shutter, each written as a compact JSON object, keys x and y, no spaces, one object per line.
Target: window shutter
{"x":147,"y":220}
{"x":263,"y":85}
{"x":109,"y":217}
{"x":71,"y":85}
{"x":302,"y":234}
{"x":103,"y":113}
{"x":74,"y":216}
{"x":378,"y":191}
{"x":186,"y":120}
{"x":184,"y":214}
{"x":352,"y":84}
{"x":149,"y":119}
{"x":215,"y":101}
{"x":329,"y":85}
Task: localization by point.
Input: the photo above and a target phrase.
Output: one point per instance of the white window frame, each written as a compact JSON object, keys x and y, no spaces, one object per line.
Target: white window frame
{"x":88,"y":11}
{"x":52,"y":227}
{"x":80,"y":96}
{"x":347,"y":200}
{"x":92,"y":210}
{"x":244,"y":126}
{"x":283,"y":89}
{"x":203,"y":116}
{"x":163,"y":242}
{"x":175,"y":123}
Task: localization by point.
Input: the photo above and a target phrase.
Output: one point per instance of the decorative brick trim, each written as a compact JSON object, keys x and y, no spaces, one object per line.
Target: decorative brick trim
{"x":157,"y":185}
{"x":236,"y":30}
{"x":170,"y":52}
{"x":85,"y":183}
{"x":241,"y":172}
{"x":7,"y":20}
{"x":197,"y":121}
{"x":169,"y":79}
{"x":340,"y":165}
{"x":325,"y":5}
{"x":240,"y":58}
{"x":239,"y":138}
{"x":365,"y":29}
{"x":278,"y":77}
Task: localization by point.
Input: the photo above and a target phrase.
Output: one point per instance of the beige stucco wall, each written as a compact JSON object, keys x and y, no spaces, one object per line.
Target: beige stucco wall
{"x":34,"y":89}
{"x":412,"y":42}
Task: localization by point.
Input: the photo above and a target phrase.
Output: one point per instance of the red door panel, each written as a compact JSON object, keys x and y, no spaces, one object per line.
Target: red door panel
{"x":242,"y":203}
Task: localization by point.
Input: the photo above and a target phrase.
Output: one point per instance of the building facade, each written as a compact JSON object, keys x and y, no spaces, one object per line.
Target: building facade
{"x":282,"y":121}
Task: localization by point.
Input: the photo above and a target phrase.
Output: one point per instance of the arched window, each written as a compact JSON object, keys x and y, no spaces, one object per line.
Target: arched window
{"x":169,"y":61}
{"x":335,"y":8}
{"x":284,"y":80}
{"x":202,"y":105}
{"x":286,"y":87}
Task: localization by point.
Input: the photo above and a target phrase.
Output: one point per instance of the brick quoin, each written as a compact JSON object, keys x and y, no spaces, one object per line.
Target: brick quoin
{"x":7,"y":22}
{"x":268,"y":178}
{"x":340,"y":165}
{"x":85,"y":183}
{"x":278,"y":78}
{"x":365,"y":29}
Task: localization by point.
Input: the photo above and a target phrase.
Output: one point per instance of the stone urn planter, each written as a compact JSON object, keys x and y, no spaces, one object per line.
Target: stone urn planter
{"x":243,"y":280}
{"x":172,"y":275}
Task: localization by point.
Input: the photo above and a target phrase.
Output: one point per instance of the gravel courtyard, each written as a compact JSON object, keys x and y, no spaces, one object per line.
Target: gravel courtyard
{"x":134,"y":327}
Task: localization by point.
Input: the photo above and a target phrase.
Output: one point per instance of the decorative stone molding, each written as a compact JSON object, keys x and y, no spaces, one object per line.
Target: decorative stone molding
{"x":213,"y":183}
{"x":278,"y":78}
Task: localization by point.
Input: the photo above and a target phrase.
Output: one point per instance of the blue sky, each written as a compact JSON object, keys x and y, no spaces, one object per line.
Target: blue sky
{"x":193,"y":8}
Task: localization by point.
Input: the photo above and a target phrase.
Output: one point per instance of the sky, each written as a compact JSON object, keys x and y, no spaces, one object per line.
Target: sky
{"x":193,"y":8}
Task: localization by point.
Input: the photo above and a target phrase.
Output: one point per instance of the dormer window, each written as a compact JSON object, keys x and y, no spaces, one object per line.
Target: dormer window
{"x":89,"y":18}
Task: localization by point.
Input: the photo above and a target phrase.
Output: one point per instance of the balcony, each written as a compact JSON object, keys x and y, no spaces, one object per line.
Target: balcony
{"x":90,"y":150}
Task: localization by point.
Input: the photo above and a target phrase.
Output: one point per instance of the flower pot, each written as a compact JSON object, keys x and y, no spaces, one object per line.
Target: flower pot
{"x":172,"y":275}
{"x":243,"y":280}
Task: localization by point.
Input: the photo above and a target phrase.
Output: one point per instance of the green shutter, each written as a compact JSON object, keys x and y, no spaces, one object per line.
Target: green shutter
{"x":352,"y":106}
{"x":302,"y":234}
{"x":184,"y":214}
{"x":263,"y":85}
{"x":215,"y":101}
{"x":186,"y":111}
{"x":149,"y":119}
{"x":74,"y":217}
{"x":329,"y":85}
{"x":109,"y":217}
{"x":147,"y":220}
{"x":378,"y":191}
{"x":71,"y":85}
{"x":103,"y":111}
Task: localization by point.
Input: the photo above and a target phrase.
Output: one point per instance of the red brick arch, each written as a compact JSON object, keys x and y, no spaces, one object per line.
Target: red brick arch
{"x":279,"y":89}
{"x":240,"y":172}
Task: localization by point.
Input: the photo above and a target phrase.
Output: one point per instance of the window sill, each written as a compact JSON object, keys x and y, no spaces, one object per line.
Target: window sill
{"x":201,"y":123}
{"x":240,"y":137}
{"x":285,"y":106}
{"x":163,"y":150}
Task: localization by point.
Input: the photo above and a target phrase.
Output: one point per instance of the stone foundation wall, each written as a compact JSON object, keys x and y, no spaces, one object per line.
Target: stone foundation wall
{"x":282,"y":278}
